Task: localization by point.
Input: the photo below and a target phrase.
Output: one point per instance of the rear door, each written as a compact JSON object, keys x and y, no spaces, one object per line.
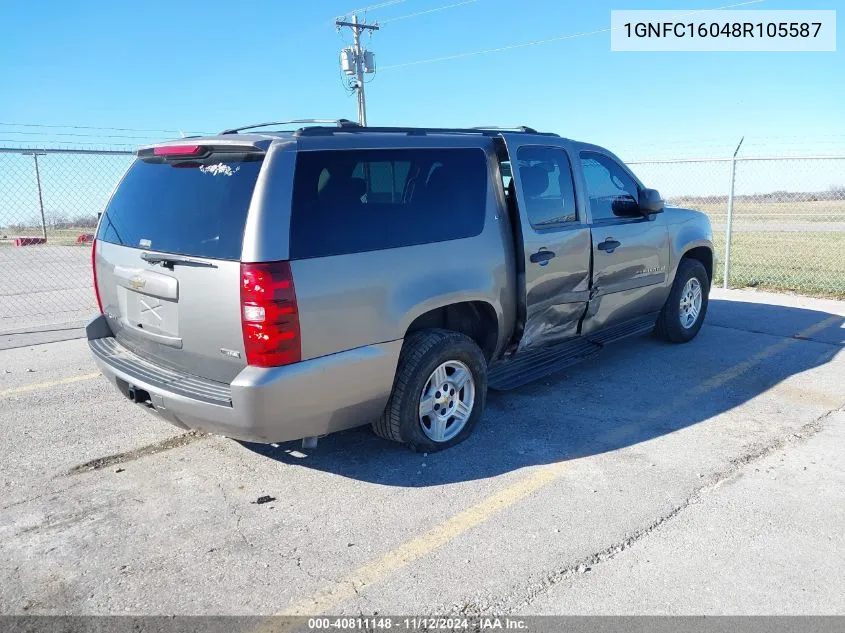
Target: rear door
{"x":168,"y":258}
{"x":630,"y":254}
{"x":555,"y":239}
{"x":379,"y":234}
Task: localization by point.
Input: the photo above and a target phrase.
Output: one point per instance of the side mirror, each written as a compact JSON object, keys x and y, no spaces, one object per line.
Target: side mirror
{"x":650,"y":202}
{"x":625,"y":207}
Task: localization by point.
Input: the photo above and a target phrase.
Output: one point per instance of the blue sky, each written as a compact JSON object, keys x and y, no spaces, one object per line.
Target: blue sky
{"x":203,"y":66}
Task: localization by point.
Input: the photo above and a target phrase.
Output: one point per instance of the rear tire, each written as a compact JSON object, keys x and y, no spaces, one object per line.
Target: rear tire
{"x":690,"y":294}
{"x":430,"y":356}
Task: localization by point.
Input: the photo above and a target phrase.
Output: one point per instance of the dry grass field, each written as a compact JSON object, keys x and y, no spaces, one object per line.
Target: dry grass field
{"x":746,"y":210}
{"x":807,"y":263}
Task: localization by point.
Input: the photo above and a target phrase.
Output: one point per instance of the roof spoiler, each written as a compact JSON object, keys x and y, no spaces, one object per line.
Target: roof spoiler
{"x":196,"y":147}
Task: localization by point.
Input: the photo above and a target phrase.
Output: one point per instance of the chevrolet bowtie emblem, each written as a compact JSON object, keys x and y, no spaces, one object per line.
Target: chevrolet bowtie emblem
{"x":137,"y":282}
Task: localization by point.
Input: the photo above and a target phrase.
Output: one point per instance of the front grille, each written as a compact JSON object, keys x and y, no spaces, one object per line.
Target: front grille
{"x":194,"y":387}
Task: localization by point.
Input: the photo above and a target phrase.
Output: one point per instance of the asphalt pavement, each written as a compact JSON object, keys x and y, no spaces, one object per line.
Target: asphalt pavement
{"x":654,"y":478}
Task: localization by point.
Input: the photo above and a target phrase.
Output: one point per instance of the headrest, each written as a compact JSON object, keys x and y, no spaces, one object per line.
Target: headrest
{"x":442,"y":180}
{"x":535,"y":180}
{"x":344,"y":190}
{"x":357,"y":187}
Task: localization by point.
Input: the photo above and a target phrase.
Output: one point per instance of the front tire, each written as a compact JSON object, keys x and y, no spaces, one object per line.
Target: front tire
{"x":684,"y":311}
{"x":438,"y":394}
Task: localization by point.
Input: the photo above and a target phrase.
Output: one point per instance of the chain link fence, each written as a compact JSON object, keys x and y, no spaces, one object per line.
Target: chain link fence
{"x":48,"y":214}
{"x":787,"y":224}
{"x":785,"y":217}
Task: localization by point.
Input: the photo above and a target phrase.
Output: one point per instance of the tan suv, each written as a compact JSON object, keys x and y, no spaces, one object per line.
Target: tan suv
{"x":290,"y":283}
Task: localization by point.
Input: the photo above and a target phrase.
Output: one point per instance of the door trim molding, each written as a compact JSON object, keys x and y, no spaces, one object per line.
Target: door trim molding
{"x":637,"y":282}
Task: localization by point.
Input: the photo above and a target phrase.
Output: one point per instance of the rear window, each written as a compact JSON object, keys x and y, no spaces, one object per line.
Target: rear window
{"x":352,"y":201}
{"x":192,"y":207}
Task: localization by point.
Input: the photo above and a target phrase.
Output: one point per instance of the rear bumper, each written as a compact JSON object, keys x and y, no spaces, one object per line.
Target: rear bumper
{"x":309,"y":398}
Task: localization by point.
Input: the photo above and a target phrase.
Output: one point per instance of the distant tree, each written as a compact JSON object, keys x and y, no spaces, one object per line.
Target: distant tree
{"x":84,"y":220}
{"x":56,"y":219}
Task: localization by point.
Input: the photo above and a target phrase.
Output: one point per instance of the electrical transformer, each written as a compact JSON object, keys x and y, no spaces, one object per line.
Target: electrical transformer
{"x":347,"y":61}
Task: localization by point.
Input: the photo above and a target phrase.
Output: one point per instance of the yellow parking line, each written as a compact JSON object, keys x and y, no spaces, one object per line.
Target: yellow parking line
{"x":803,"y":394}
{"x":429,"y":541}
{"x":50,"y":383}
{"x":723,"y":377}
{"x":405,"y":554}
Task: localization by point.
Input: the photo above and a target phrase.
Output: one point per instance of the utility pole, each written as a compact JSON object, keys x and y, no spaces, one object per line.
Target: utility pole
{"x":356,"y":61}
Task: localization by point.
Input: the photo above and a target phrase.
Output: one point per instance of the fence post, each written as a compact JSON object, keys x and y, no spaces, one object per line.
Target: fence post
{"x":40,"y":199}
{"x":729,"y":221}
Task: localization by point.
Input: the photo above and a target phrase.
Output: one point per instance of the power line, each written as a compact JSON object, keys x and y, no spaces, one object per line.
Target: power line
{"x":87,"y":127}
{"x":485,"y":51}
{"x":426,"y":12}
{"x":548,"y":40}
{"x":38,"y":144}
{"x":346,"y":83}
{"x":373,"y":7}
{"x":78,"y":135}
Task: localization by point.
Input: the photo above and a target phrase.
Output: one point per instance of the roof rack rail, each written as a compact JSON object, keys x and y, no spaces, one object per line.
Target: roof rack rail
{"x":413,"y":131}
{"x":508,"y":128}
{"x":338,"y":122}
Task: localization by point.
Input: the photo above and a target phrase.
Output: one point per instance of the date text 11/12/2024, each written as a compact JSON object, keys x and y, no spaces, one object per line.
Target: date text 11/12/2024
{"x":415,"y":623}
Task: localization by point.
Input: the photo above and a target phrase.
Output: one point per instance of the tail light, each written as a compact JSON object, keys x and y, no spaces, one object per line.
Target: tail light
{"x":94,"y":270}
{"x":269,"y":315}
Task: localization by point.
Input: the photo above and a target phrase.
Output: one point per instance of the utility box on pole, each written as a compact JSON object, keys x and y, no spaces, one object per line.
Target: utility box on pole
{"x":369,"y":62}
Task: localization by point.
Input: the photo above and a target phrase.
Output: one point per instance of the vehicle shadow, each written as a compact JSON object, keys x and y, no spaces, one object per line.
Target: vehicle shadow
{"x":630,"y":393}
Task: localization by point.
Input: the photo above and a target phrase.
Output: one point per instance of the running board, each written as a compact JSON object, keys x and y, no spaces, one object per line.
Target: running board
{"x":529,"y":366}
{"x":640,"y":325}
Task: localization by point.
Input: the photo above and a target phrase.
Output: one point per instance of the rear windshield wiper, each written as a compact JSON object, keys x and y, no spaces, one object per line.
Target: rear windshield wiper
{"x":169,"y":261}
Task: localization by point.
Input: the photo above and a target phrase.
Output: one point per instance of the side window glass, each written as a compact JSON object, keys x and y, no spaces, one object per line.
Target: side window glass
{"x":609,"y":187}
{"x":547,"y":188}
{"x":354,"y":201}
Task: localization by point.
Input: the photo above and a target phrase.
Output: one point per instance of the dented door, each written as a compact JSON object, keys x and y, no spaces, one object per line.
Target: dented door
{"x":630,"y":254}
{"x":555,"y":238}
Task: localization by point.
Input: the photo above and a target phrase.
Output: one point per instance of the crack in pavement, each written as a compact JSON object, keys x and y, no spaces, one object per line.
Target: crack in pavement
{"x":313,"y":575}
{"x":533,"y":591}
{"x":796,"y":337}
{"x":297,"y":559}
{"x":233,"y":510}
{"x":45,"y":493}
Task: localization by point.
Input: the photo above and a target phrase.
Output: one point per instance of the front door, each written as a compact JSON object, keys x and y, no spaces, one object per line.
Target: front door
{"x":630,"y":254}
{"x":555,"y":238}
